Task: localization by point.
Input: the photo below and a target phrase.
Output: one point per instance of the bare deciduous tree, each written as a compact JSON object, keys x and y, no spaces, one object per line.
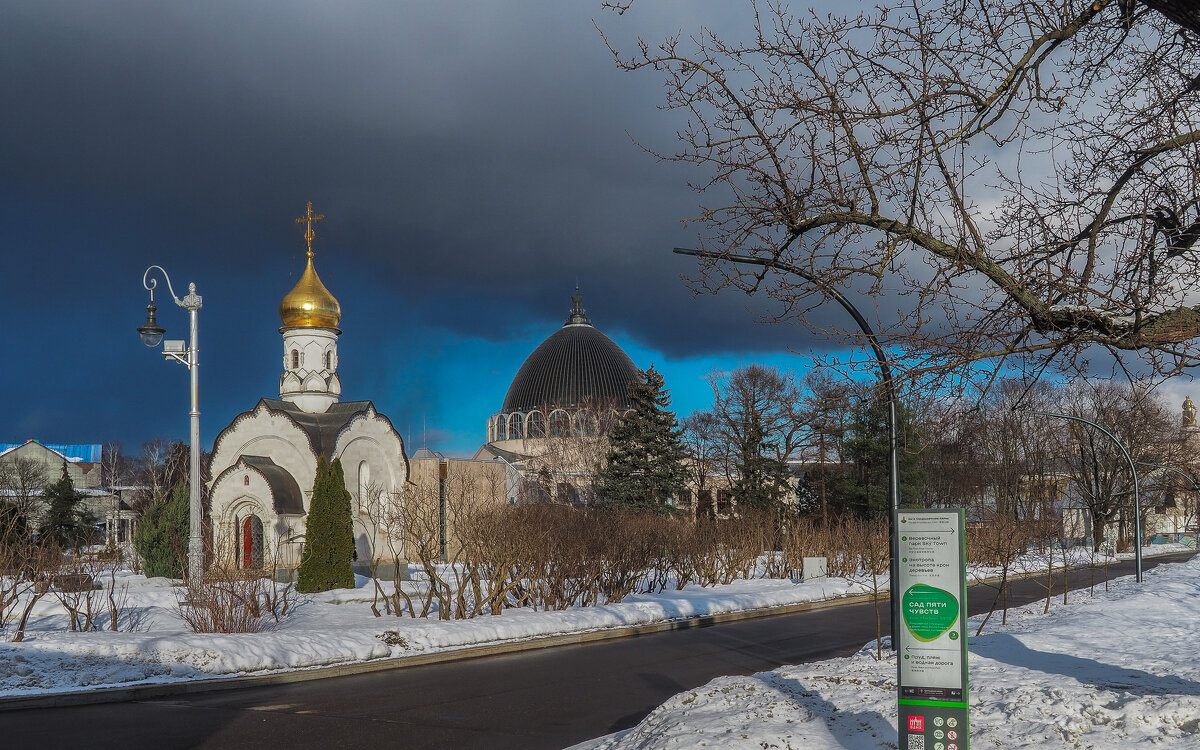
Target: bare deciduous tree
{"x":1025,"y":172}
{"x":703,"y":458}
{"x":997,"y":540}
{"x":162,"y":465}
{"x":756,"y":415}
{"x":381,"y":514}
{"x":1100,"y":471}
{"x":22,"y":481}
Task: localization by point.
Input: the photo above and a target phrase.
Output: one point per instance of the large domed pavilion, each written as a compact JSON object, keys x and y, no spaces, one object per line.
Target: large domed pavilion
{"x":573,"y":381}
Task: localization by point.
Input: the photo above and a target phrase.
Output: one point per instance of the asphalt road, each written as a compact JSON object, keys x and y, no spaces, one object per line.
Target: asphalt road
{"x":541,"y":699}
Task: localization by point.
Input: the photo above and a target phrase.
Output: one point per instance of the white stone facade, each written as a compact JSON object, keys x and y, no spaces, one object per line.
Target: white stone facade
{"x":264,"y":465}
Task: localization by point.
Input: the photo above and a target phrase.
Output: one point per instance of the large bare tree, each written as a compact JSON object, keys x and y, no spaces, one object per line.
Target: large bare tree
{"x":1023,"y":172}
{"x":757,"y":424}
{"x":22,"y":482}
{"x":1099,"y":470}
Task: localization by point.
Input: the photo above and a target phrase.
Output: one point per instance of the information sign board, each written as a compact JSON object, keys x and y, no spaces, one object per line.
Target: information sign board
{"x":932,"y":652}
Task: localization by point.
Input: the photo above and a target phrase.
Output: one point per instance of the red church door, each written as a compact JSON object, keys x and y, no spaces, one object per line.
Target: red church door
{"x":252,"y":543}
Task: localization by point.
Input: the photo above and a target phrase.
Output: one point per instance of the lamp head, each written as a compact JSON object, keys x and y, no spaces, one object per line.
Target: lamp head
{"x":152,"y":332}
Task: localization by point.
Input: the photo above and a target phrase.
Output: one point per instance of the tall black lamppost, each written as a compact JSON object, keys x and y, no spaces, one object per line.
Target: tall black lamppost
{"x":889,"y":388}
{"x":152,"y":334}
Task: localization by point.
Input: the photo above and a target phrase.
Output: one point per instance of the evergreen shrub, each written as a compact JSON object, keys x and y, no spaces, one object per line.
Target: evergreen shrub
{"x":329,"y":538}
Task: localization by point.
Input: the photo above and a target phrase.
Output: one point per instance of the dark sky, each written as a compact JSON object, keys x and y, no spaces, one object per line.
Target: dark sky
{"x":474,"y":160}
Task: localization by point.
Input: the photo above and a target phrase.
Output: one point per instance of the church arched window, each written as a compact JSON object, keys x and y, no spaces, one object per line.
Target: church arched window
{"x":501,"y":428}
{"x":515,"y":426}
{"x":364,"y":485}
{"x":246,"y":480}
{"x":295,"y":359}
{"x":328,"y":359}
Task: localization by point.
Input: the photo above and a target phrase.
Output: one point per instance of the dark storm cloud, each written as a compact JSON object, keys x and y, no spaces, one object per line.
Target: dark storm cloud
{"x":474,"y":160}
{"x":471,"y":150}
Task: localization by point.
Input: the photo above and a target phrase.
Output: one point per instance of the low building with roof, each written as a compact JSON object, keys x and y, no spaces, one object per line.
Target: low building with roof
{"x":82,"y":460}
{"x":41,"y":464}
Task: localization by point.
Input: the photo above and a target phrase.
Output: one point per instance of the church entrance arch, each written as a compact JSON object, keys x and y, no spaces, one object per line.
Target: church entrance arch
{"x":251,"y":548}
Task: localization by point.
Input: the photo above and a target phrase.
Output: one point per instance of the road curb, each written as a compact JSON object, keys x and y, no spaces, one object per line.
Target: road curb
{"x":150,"y":691}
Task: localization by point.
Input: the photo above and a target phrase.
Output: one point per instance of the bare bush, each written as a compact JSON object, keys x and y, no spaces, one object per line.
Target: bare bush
{"x":74,"y":586}
{"x":24,"y":572}
{"x":228,"y":599}
{"x":998,"y":541}
{"x":549,"y":556}
{"x":382,"y":516}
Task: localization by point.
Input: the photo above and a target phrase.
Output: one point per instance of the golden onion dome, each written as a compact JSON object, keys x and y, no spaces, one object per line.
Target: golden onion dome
{"x":309,"y":304}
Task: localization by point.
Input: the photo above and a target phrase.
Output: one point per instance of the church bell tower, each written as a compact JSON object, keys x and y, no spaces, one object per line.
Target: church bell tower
{"x":310,"y":317}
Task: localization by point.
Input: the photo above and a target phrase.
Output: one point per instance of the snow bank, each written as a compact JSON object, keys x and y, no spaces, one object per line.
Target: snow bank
{"x":327,"y":629}
{"x":1105,"y":672}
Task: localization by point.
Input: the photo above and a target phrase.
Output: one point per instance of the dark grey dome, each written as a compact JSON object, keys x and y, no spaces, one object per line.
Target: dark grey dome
{"x":575,"y":365}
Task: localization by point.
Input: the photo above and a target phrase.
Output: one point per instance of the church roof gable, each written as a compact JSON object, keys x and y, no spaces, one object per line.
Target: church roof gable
{"x":323,"y":428}
{"x":286,"y":496}
{"x":285,"y":491}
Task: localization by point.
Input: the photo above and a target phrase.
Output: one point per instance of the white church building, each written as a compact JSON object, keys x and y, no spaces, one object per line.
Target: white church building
{"x":264,"y":463}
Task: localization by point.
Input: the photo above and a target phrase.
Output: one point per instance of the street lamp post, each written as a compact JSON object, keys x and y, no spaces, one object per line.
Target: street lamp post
{"x":152,"y":334}
{"x":1137,"y":502}
{"x":885,"y":372}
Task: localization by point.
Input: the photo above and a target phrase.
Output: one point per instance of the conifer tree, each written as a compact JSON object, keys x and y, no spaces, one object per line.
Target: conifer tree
{"x":66,"y":523}
{"x":864,"y":491}
{"x":329,"y":538}
{"x":645,"y":459}
{"x":763,"y":479}
{"x":161,"y":538}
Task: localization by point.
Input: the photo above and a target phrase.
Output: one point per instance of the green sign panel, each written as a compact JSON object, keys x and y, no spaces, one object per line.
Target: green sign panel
{"x":932,"y":663}
{"x":929,"y":612}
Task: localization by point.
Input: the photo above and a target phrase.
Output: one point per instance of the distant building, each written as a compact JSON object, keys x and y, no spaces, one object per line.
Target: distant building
{"x":82,"y":460}
{"x":552,"y":429}
{"x":446,"y":492}
{"x":109,"y":505}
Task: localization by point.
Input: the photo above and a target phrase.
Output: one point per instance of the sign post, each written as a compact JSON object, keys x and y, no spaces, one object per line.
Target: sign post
{"x":932,"y":652}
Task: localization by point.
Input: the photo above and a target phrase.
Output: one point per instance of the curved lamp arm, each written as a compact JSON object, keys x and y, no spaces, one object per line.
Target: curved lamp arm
{"x":1137,"y":503}
{"x":191,"y":301}
{"x":885,"y":372}
{"x":150,"y":283}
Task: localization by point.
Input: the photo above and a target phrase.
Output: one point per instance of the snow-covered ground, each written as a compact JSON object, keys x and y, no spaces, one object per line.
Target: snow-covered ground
{"x":1113,"y":670}
{"x":1097,"y":669}
{"x":335,"y":627}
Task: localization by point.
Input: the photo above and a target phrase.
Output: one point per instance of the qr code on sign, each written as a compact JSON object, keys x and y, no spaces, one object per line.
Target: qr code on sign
{"x":916,"y":742}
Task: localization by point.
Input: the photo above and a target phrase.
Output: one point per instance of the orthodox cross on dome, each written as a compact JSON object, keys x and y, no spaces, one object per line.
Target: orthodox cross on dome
{"x":308,"y":219}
